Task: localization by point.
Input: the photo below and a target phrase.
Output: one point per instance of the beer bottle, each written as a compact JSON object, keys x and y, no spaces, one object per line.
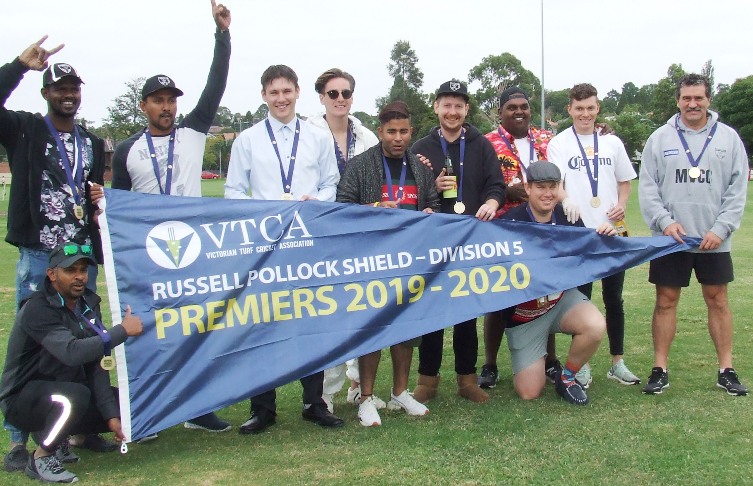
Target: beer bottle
{"x":450,"y":193}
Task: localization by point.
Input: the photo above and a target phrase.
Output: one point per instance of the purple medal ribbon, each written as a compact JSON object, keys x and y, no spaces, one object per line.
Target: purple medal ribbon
{"x":693,"y":161}
{"x":388,"y":176}
{"x":339,"y":153}
{"x":155,"y":164}
{"x":514,"y":151}
{"x":462,"y":158}
{"x":593,"y":176}
{"x":73,"y":181}
{"x":96,"y":325}
{"x":286,"y":181}
{"x":530,"y":213}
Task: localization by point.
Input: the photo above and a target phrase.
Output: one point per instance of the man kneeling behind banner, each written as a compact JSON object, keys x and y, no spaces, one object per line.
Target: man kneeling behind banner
{"x":226,"y":288}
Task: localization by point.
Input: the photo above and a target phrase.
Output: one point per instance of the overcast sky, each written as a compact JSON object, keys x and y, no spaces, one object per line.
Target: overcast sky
{"x":606,"y":43}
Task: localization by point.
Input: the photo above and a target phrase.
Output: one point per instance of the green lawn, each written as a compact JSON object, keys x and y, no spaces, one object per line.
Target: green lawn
{"x":692,"y":434}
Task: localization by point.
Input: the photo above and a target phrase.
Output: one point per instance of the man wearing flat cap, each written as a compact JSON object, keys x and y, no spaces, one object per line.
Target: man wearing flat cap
{"x":164,"y":158}
{"x":55,"y":380}
{"x":469,"y":182}
{"x":529,"y":324}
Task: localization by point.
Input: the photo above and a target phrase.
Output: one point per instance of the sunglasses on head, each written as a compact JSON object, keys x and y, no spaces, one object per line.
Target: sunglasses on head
{"x":73,"y":249}
{"x":333,"y":94}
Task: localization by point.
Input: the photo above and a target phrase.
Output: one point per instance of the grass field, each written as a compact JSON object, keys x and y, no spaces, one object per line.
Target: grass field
{"x":692,"y":434}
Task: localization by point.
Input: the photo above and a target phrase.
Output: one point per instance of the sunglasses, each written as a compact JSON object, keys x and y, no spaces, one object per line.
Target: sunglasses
{"x":333,"y":94}
{"x":73,"y":249}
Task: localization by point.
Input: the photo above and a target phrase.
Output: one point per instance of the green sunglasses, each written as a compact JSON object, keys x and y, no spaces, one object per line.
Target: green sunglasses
{"x":73,"y":249}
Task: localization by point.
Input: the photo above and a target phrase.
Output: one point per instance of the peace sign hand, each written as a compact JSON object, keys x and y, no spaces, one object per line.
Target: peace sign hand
{"x":35,"y":56}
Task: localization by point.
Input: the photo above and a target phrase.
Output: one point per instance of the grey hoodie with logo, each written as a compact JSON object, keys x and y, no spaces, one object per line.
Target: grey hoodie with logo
{"x":715,"y":201}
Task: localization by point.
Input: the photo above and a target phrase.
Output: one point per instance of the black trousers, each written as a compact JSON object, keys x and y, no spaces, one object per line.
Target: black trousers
{"x":57,"y":409}
{"x":611,"y":292}
{"x":464,"y":344}
{"x":313,"y":387}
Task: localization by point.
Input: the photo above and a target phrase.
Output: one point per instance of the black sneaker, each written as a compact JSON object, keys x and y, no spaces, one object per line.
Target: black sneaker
{"x":97,"y":443}
{"x":553,"y":371}
{"x":208,"y":422}
{"x":572,"y":392}
{"x":49,"y":470}
{"x":64,"y":453}
{"x":728,"y":380}
{"x":657,"y":382}
{"x":16,"y":459}
{"x":489,"y":376}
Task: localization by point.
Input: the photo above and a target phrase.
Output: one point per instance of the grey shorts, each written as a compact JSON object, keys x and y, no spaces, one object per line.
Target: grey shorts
{"x":527,"y":342}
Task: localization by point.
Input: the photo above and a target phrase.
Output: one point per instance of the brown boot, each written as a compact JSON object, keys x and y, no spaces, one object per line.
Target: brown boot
{"x":426,"y":388}
{"x":468,"y":388}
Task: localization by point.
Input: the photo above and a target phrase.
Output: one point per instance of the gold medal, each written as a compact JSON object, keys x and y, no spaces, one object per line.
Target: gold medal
{"x":595,"y":202}
{"x":107,"y":363}
{"x":286,"y":196}
{"x":78,"y":211}
{"x":694,"y":172}
{"x":459,"y":208}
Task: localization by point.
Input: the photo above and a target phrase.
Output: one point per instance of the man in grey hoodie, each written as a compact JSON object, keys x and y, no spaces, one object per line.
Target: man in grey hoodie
{"x":693,"y":182}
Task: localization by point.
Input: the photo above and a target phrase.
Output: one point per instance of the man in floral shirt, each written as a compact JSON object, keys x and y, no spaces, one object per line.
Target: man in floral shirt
{"x":57,"y":170}
{"x":517,"y":144}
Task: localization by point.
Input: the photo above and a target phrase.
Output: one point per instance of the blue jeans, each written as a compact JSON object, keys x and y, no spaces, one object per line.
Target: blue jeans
{"x":31,"y":270}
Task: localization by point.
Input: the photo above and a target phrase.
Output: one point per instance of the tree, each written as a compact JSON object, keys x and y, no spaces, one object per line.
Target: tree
{"x":556,"y":104}
{"x":627,"y":97}
{"x":497,"y":73}
{"x":708,"y":72}
{"x":125,"y":117}
{"x":632,"y":128}
{"x":736,"y":109}
{"x":217,"y":152}
{"x":663,"y":102}
{"x":405,"y":65}
{"x":609,"y":102}
{"x":224,"y":117}
{"x":368,"y":121}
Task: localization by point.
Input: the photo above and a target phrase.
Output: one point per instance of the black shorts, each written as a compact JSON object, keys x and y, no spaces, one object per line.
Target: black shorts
{"x":674,"y":270}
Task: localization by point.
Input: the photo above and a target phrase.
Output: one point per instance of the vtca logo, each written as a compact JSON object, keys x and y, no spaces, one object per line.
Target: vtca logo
{"x":173,"y":245}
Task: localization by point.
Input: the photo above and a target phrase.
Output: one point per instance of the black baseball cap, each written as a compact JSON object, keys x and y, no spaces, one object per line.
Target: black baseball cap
{"x":58,"y":71}
{"x":455,"y":88}
{"x":543,"y":171}
{"x":66,"y":254}
{"x":158,"y":82}
{"x":510,"y":93}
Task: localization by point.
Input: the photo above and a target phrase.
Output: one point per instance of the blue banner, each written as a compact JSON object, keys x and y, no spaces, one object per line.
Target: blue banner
{"x":240,"y":296}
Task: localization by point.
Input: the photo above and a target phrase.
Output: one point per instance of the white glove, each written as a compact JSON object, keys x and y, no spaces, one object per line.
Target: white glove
{"x":572,"y":211}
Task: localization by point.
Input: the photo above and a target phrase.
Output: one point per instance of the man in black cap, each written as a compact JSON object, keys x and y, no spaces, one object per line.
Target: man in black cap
{"x":570,"y":312}
{"x":55,"y":381}
{"x":57,"y":169}
{"x":163,"y":158}
{"x":469,"y":182}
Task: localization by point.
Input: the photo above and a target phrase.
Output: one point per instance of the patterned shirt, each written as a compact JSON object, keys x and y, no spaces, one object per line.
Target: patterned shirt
{"x":509,"y":160}
{"x":59,"y":223}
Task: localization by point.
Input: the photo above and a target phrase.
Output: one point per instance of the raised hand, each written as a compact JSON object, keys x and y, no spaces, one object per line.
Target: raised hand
{"x":221,"y":16}
{"x":35,"y":56}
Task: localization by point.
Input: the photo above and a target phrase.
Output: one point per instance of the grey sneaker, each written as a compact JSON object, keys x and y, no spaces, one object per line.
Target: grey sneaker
{"x":64,"y":453}
{"x":49,"y":470}
{"x":16,"y":459}
{"x":621,"y":373}
{"x":584,"y":376}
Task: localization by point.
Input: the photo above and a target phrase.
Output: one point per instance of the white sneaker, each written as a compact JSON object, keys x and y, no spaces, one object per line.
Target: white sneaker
{"x":406,"y":402}
{"x":354,"y":398}
{"x":367,"y":413}
{"x":584,"y":376}
{"x":327,"y":398}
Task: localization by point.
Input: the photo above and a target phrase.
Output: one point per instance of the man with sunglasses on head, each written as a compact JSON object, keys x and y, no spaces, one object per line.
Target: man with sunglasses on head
{"x":282,"y":159}
{"x":57,"y":169}
{"x":474,"y":189}
{"x":164,"y":158}
{"x":350,"y":138}
{"x":56,"y":380}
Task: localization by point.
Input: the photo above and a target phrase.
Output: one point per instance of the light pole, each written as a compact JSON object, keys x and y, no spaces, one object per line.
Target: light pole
{"x":543,"y":121}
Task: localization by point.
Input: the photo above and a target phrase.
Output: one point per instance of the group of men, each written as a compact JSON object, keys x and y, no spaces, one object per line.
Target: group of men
{"x":55,"y":384}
